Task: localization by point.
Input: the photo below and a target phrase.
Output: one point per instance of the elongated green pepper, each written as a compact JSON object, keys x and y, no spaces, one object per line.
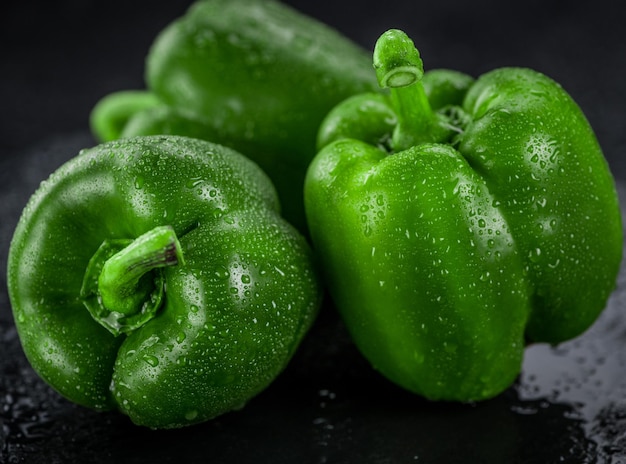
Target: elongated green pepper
{"x":154,"y":275}
{"x":458,"y":221}
{"x":253,"y":75}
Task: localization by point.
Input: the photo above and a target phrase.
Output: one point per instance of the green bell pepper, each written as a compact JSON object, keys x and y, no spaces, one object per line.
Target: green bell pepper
{"x":154,"y":275}
{"x":256,"y":76}
{"x":459,"y":220}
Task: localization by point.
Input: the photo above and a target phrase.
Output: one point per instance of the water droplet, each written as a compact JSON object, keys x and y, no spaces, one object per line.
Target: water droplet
{"x":535,"y":255}
{"x":139,"y":182}
{"x":193,"y":182}
{"x":555,"y":264}
{"x":151,"y":360}
{"x":222,"y":273}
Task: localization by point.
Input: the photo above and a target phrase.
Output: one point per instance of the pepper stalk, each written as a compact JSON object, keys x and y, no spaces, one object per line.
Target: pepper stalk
{"x":123,"y":286}
{"x":400,"y":69}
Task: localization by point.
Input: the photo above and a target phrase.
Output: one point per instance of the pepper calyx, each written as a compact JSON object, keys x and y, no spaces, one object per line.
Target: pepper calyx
{"x":124,"y":286}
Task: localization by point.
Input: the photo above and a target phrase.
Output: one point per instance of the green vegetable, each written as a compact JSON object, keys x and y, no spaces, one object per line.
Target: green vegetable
{"x":458,"y":221}
{"x":155,"y":275}
{"x":253,"y":75}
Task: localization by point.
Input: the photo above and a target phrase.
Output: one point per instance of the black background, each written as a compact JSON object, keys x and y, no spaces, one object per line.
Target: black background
{"x":569,"y":405}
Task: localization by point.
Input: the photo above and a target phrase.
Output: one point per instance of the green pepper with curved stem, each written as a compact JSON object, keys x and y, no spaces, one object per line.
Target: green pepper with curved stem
{"x":154,"y":275}
{"x":257,"y":76}
{"x":459,"y":220}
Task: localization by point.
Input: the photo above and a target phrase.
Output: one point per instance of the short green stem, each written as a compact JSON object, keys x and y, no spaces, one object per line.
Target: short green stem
{"x":120,"y":288}
{"x":399,"y":67}
{"x":120,"y":280}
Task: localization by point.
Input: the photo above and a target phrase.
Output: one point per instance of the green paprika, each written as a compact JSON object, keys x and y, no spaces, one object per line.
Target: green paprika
{"x":459,"y":220}
{"x":256,"y":76}
{"x":154,"y":275}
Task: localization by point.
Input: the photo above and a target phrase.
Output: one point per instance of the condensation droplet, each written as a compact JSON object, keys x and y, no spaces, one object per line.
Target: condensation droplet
{"x":151,"y":360}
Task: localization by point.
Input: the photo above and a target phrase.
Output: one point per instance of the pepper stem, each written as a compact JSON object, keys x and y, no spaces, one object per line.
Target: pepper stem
{"x":119,"y":288}
{"x":399,"y":67}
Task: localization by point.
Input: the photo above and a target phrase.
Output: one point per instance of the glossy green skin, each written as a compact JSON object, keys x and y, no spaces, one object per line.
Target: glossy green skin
{"x":446,"y":258}
{"x":253,"y":75}
{"x":233,"y":314}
